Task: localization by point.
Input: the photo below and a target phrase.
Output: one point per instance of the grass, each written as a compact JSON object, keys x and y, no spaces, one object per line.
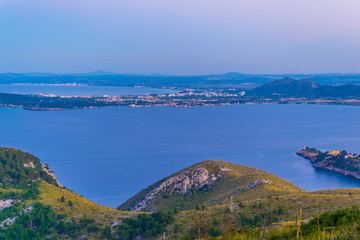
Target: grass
{"x":309,"y":202}
{"x":276,"y":206}
{"x":51,"y":195}
{"x":231,"y":184}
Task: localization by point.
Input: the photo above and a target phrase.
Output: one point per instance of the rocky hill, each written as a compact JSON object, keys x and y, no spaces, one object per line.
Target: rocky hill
{"x":208,"y":183}
{"x":305,"y":88}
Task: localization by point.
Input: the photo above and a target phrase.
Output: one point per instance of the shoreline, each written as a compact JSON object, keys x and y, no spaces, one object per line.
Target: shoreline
{"x":175,"y":106}
{"x":327,"y":160}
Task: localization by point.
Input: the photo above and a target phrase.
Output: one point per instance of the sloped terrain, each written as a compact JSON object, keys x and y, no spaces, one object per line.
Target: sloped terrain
{"x":208,"y":183}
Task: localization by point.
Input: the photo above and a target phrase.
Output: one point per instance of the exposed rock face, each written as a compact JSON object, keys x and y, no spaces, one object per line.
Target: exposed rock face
{"x":5,"y":204}
{"x":10,"y":221}
{"x":256,"y":183}
{"x":307,"y":154}
{"x":45,"y":168}
{"x":328,"y":166}
{"x":182,"y":183}
{"x":29,"y":164}
{"x":51,"y":173}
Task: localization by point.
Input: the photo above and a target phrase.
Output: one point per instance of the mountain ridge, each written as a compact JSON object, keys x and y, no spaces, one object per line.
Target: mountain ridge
{"x":290,"y":87}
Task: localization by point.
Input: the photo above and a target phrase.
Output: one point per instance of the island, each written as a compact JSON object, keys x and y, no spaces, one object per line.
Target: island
{"x":337,"y":161}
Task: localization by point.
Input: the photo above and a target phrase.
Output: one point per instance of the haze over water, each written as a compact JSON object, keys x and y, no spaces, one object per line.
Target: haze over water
{"x":109,"y":154}
{"x":79,"y":90}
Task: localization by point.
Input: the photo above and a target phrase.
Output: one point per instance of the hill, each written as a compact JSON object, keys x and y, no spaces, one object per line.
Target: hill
{"x":34,"y":205}
{"x":305,"y":88}
{"x":209,"y":183}
{"x":260,"y":202}
{"x":19,"y":169}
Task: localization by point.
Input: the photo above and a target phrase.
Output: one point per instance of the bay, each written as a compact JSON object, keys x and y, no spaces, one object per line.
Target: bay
{"x":109,"y":154}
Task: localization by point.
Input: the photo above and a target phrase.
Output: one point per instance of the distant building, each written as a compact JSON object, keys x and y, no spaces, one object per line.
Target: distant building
{"x":335,"y":153}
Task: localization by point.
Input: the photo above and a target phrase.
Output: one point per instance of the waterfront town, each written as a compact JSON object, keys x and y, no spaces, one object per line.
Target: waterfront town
{"x":182,"y":98}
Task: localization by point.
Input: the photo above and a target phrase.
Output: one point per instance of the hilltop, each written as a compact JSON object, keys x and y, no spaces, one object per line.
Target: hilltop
{"x":203,"y":194}
{"x":210,"y":183}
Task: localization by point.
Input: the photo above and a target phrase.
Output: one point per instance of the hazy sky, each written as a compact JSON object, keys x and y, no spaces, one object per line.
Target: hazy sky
{"x":180,"y":36}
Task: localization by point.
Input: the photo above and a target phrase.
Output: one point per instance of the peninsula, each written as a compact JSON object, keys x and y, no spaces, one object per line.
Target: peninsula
{"x":337,"y":161}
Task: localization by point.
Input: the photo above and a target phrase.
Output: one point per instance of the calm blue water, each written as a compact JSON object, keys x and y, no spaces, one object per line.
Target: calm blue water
{"x":69,"y":90}
{"x":109,"y":154}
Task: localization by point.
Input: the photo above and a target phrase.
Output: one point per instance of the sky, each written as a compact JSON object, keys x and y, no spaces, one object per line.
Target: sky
{"x":181,"y":37}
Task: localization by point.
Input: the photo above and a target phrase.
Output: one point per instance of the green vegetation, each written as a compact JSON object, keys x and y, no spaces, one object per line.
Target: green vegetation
{"x":39,"y":209}
{"x":243,"y":203}
{"x":338,"y":161}
{"x":341,"y":224}
{"x":19,"y":169}
{"x":42,"y":222}
{"x":231,"y":182}
{"x":145,"y":225}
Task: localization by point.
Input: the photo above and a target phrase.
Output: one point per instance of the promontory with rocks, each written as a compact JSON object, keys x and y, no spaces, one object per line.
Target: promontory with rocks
{"x":337,"y":161}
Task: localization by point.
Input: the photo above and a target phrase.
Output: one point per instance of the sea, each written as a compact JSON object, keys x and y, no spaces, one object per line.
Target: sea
{"x":109,"y":154}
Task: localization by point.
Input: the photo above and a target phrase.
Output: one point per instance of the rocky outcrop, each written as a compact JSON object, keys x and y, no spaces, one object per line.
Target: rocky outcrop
{"x":5,"y":204}
{"x":29,"y":164}
{"x":208,"y":183}
{"x":336,"y":161}
{"x":256,"y":183}
{"x":8,"y":222}
{"x":328,"y":166}
{"x":182,"y":184}
{"x":51,"y":173}
{"x":45,"y":167}
{"x":11,"y":220}
{"x":312,"y":156}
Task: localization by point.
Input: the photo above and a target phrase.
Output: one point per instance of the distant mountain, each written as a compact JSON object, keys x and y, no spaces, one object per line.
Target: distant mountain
{"x":210,"y":81}
{"x":208,"y":183}
{"x":304,"y":88}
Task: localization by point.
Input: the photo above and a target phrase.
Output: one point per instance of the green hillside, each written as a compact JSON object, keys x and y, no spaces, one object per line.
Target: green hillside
{"x":19,"y":169}
{"x":209,"y":183}
{"x":33,"y":205}
{"x":209,"y":200}
{"x":205,"y":209}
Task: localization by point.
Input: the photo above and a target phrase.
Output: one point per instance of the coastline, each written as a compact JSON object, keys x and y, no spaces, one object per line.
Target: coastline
{"x":173,"y":105}
{"x":329,"y":161}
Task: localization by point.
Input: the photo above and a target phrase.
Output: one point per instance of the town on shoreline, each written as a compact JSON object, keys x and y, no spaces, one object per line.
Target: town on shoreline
{"x":285,"y":91}
{"x":183,"y":98}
